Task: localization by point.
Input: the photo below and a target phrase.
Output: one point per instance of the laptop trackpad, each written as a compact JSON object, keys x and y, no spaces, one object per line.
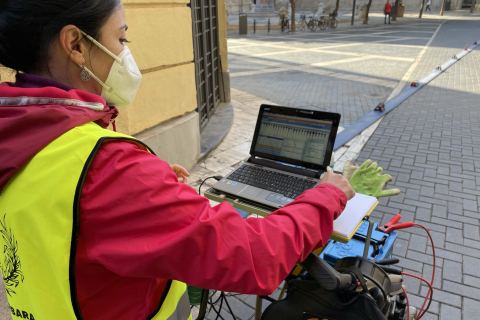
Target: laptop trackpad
{"x":257,"y":193}
{"x":278,"y":198}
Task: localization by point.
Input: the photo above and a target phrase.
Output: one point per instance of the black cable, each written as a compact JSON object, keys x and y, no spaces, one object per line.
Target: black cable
{"x":218,"y":178}
{"x":228,"y":306}
{"x":219,"y":308}
{"x":223,"y":297}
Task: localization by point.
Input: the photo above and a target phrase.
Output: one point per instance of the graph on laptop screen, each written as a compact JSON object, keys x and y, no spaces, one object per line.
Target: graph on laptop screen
{"x":293,"y":137}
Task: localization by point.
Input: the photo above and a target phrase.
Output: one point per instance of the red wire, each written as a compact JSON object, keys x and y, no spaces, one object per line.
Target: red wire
{"x":408,"y":303}
{"x":427,"y":297}
{"x":433,"y":269}
{"x":424,"y":308}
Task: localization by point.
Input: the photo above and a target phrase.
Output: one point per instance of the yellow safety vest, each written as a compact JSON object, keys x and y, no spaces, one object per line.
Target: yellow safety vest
{"x":39,"y":217}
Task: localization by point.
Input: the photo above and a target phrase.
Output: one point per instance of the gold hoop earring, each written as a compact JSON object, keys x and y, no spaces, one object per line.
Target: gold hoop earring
{"x":84,"y":75}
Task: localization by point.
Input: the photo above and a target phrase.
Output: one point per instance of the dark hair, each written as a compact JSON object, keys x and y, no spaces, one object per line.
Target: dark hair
{"x":28,"y":27}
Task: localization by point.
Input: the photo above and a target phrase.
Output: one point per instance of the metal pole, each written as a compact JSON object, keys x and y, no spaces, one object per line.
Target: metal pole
{"x":367,"y":240}
{"x":421,"y":10}
{"x":268,"y":26}
{"x":353,"y":11}
{"x":254,"y":26}
{"x":395,"y":10}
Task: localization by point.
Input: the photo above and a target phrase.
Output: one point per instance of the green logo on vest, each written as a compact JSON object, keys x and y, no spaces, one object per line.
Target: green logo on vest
{"x":11,"y":267}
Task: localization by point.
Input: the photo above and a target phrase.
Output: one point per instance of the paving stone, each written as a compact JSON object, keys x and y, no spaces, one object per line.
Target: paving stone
{"x":474,"y":222}
{"x":418,"y":243}
{"x":448,"y":312}
{"x":471,"y":281}
{"x":449,"y":255}
{"x":471,"y":266}
{"x":471,"y":309}
{"x":418,"y":256}
{"x":430,"y":148}
{"x":447,"y":222}
{"x":454,"y":235}
{"x":417,"y":301}
{"x":460,"y":289}
{"x":427,"y":273}
{"x":470,"y":205}
{"x":452,"y":270}
{"x":423,"y":214}
{"x":439,"y":211}
{"x":411,"y":264}
{"x":460,"y":249}
{"x":471,"y":243}
{"x":444,"y":297}
{"x":400,"y":247}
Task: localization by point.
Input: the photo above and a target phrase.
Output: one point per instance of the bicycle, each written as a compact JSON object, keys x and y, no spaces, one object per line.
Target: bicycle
{"x":284,"y":23}
{"x":302,"y":23}
{"x":312,"y":23}
{"x":322,"y":23}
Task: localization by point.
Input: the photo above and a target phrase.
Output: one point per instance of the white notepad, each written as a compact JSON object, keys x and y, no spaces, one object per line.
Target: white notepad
{"x":360,"y":206}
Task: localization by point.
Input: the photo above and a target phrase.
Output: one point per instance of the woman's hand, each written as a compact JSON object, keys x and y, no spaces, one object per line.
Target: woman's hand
{"x":181,"y":172}
{"x":338,"y":181}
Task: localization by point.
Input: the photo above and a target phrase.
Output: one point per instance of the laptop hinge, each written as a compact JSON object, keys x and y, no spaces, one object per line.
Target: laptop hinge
{"x":276,"y":165}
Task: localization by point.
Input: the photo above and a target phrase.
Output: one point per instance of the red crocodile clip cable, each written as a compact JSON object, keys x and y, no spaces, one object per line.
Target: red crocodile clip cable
{"x":391,"y":222}
{"x":403,"y":225}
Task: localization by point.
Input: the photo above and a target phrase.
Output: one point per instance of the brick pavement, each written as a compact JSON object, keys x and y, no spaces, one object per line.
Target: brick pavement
{"x":431,"y":144}
{"x":346,"y":71}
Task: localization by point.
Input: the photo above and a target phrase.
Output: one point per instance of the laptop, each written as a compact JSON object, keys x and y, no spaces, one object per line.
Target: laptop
{"x":290,"y":150}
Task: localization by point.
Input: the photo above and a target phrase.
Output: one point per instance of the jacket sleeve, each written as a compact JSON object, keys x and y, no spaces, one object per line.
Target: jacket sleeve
{"x":137,"y":220}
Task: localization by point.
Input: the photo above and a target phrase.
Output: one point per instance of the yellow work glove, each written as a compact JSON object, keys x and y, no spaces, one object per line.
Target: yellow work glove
{"x":369,"y":179}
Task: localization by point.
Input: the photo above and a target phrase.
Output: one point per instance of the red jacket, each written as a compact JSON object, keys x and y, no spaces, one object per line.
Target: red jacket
{"x":140,"y":226}
{"x":387,"y":8}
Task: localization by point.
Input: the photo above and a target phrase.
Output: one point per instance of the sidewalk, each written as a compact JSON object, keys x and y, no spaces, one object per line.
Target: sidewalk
{"x":375,"y":18}
{"x":431,"y":145}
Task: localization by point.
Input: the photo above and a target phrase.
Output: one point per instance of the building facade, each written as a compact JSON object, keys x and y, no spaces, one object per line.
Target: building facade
{"x":180,"y":47}
{"x":313,"y":6}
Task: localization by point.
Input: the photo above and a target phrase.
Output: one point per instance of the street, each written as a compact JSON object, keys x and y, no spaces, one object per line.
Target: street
{"x":347,"y":71}
{"x":430,"y":144}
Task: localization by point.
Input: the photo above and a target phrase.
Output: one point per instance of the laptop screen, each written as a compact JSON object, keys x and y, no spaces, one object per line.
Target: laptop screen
{"x":301,"y":137}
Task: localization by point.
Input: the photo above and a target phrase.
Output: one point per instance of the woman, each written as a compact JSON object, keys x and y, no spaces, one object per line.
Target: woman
{"x":134,"y":231}
{"x":387,"y":10}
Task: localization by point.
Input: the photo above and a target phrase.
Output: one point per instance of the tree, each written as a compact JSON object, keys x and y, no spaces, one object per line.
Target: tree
{"x":474,"y":4}
{"x":421,"y":10}
{"x":442,"y":8}
{"x":337,"y":5}
{"x":292,"y":20}
{"x":367,"y":9}
{"x":353,"y":12}
{"x":395,"y":10}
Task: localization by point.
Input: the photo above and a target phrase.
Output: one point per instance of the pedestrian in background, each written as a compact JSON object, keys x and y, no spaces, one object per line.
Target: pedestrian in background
{"x":427,"y":8}
{"x":387,"y":10}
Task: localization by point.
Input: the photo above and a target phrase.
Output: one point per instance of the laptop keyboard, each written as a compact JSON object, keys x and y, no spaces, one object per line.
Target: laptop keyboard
{"x":287,"y":185}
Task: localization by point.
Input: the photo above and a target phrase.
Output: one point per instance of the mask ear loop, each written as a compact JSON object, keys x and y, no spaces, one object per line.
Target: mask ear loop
{"x":103,"y":84}
{"x":104,"y":49}
{"x":101,"y":46}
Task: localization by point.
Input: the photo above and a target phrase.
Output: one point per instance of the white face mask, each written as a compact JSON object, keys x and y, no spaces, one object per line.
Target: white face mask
{"x":124,"y":79}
